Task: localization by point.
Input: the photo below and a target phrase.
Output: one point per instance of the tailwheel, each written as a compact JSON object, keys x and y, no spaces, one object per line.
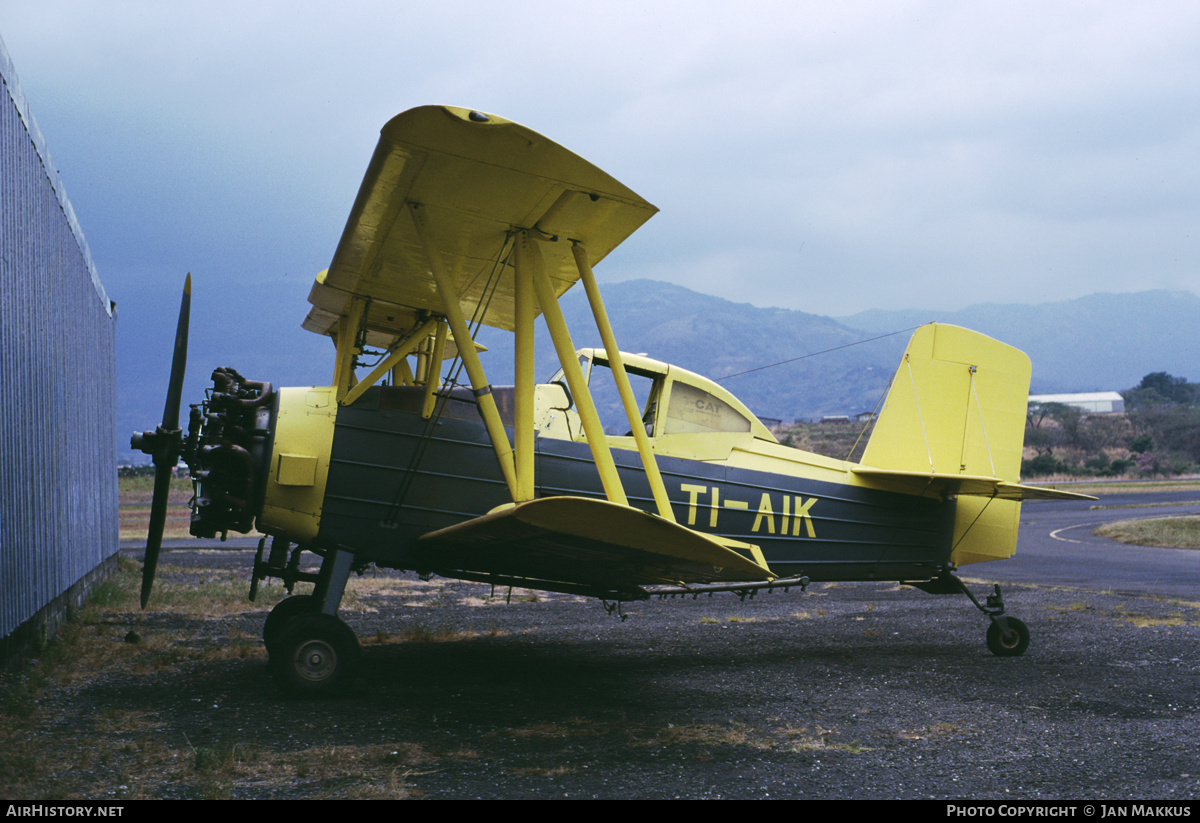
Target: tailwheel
{"x":284,"y":611}
{"x":317,"y":655}
{"x":1010,"y":640}
{"x":1006,"y":636}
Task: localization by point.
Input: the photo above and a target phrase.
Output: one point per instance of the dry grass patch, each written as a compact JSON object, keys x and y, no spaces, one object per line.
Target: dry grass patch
{"x":133,"y":754}
{"x":128,"y":721}
{"x":532,"y":771}
{"x":1145,"y":621}
{"x":135,"y":522}
{"x":1072,"y":607}
{"x":1166,"y":532}
{"x":804,"y":739}
{"x":180,"y":590}
{"x":934,"y":731}
{"x":136,"y":494}
{"x":705,"y":734}
{"x":1188,"y":604}
{"x":135,"y":761}
{"x":1137,"y":487}
{"x":570,"y":727}
{"x":437,"y":634}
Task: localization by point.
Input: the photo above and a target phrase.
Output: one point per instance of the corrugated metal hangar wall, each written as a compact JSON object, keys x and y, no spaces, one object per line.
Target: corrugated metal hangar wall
{"x":58,"y":465}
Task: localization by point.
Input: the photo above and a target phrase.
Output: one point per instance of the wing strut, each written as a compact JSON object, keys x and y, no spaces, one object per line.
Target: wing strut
{"x":399,"y":354}
{"x":347,"y":346}
{"x":470,"y":357}
{"x":622,"y":378}
{"x":592,"y":427}
{"x":527,"y":259}
{"x":531,"y":276}
{"x":430,"y":366}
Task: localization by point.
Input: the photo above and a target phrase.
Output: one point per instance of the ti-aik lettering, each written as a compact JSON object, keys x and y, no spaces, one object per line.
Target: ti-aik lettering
{"x":788,"y":515}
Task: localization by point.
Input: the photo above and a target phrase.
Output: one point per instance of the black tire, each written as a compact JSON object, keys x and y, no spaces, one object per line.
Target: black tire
{"x":284,"y":611}
{"x":1009,"y":643}
{"x":317,"y":655}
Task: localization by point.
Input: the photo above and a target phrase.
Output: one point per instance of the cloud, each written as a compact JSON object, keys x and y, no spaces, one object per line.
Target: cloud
{"x":824,"y":157}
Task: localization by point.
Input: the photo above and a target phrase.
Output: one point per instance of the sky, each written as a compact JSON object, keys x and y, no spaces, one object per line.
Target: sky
{"x":825,"y":157}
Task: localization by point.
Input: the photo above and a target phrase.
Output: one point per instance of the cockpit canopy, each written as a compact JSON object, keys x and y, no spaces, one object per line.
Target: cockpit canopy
{"x":673,"y":401}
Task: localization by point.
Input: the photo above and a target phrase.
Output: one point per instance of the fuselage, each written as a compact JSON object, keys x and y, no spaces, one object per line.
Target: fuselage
{"x":376,"y":475}
{"x":394,"y":476}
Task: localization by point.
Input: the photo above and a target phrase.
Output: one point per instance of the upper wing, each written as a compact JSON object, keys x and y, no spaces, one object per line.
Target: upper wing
{"x":966,"y":484}
{"x":474,"y":178}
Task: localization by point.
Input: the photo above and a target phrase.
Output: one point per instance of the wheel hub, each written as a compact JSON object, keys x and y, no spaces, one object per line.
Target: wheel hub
{"x":316,"y":660}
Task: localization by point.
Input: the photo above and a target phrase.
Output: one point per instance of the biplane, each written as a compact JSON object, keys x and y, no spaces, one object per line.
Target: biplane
{"x":464,"y":220}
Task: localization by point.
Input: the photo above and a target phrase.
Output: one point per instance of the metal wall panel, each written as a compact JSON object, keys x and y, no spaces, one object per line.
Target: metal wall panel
{"x":58,"y":480}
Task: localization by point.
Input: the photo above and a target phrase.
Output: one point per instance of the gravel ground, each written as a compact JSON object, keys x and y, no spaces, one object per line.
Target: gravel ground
{"x":846,"y":691}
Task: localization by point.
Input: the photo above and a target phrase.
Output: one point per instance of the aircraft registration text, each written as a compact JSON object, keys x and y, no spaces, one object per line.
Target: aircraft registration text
{"x":791,"y":512}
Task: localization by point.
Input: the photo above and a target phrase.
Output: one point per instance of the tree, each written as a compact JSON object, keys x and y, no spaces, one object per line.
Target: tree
{"x":1161,"y":389}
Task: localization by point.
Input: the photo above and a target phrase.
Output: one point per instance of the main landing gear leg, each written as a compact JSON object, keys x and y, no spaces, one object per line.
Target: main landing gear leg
{"x":313,"y":653}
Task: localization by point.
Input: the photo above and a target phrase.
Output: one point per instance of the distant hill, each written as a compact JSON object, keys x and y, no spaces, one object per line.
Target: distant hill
{"x":1093,"y":343}
{"x":1096,"y":343}
{"x":1099,"y":342}
{"x":718,"y":338}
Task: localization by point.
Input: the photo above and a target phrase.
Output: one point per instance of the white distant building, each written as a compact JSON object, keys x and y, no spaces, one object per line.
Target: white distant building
{"x":1096,"y":402}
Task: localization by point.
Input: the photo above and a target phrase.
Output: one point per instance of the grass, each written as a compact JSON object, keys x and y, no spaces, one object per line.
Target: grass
{"x":935,"y":731}
{"x":54,"y":747}
{"x":1073,"y":607}
{"x":690,"y":736}
{"x":1147,"y":505}
{"x":1119,"y":487}
{"x":569,"y":728}
{"x":1167,"y":532}
{"x":192,"y":593}
{"x":136,"y":495}
{"x":135,"y":490}
{"x":1145,"y":621}
{"x":711,"y":734}
{"x":438,"y":634}
{"x":125,"y":753}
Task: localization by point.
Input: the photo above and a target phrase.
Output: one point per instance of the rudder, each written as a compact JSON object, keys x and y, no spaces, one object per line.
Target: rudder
{"x":957,"y":406}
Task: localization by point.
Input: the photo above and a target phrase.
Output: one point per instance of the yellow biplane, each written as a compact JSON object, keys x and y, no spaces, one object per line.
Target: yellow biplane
{"x":464,"y":220}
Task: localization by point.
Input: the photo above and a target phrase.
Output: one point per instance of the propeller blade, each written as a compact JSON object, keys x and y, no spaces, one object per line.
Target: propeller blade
{"x":158,"y":520}
{"x":167,"y":445}
{"x":179,"y":361}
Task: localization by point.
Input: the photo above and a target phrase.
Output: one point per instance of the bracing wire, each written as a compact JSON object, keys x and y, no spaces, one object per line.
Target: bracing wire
{"x":452,"y":380}
{"x":816,"y":353}
{"x":874,"y":413}
{"x":982,"y":426}
{"x":920,"y":417}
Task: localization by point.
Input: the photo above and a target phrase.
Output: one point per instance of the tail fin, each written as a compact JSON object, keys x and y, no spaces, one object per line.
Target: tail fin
{"x":957,"y":407}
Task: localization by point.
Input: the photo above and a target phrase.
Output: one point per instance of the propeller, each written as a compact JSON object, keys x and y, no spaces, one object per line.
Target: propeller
{"x":165,"y":444}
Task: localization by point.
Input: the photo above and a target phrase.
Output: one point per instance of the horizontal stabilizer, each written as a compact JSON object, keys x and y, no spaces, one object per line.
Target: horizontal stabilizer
{"x":592,"y":544}
{"x":966,"y":484}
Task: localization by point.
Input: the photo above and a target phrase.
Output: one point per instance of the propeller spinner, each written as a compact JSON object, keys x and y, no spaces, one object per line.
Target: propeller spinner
{"x":164,"y":445}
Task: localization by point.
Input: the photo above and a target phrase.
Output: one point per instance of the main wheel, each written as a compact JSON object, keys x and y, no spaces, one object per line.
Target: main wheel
{"x":284,"y":611}
{"x":1009,"y":643}
{"x":316,"y":655}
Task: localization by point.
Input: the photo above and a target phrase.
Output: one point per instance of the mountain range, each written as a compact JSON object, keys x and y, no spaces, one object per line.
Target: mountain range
{"x":842,"y":365}
{"x":1101,"y":342}
{"x":789,"y":365}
